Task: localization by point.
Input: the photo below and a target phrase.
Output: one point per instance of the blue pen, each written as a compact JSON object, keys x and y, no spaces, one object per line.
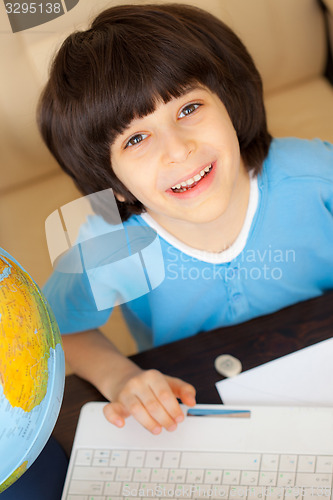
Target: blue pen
{"x":218,"y":412}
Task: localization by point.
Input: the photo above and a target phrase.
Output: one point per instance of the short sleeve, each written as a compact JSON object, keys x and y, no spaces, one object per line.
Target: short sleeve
{"x":72,"y":301}
{"x":108,"y":265}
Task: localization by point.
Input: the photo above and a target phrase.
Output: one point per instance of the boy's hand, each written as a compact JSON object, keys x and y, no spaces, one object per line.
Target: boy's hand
{"x":151,"y":398}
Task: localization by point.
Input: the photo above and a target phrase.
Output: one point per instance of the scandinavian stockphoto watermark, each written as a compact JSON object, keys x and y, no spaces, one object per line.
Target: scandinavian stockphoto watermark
{"x":226,"y":492}
{"x":87,"y":237}
{"x":252,"y":264}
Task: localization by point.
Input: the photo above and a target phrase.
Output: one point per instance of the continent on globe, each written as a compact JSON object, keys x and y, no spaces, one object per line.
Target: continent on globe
{"x":14,"y":476}
{"x":32,"y":370}
{"x":27,"y":331}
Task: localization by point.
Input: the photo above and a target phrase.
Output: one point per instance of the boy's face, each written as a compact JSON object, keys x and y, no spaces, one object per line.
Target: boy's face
{"x":182,"y":162}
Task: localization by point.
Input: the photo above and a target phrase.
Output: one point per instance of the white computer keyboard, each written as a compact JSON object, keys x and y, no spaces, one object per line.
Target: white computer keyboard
{"x":121,"y":474}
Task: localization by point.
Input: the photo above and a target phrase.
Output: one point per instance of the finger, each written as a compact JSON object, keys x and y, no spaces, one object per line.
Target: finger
{"x":156,"y":397}
{"x":164,"y":393}
{"x":136,"y":408}
{"x":116,"y":413}
{"x":161,"y":404}
{"x":182,"y":390}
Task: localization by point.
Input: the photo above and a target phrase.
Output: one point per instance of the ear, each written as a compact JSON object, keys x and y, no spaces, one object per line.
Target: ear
{"x":120,"y":197}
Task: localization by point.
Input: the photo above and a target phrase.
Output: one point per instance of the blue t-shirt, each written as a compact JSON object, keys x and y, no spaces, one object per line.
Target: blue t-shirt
{"x":284,"y":256}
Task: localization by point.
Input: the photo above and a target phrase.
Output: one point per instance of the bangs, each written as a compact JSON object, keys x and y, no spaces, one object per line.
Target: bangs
{"x":141,"y":68}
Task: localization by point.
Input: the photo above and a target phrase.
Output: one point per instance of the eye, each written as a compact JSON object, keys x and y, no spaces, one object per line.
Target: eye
{"x":189,"y":109}
{"x":135,"y":139}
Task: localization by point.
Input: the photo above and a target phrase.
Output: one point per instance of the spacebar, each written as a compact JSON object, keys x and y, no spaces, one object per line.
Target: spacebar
{"x":210,"y":460}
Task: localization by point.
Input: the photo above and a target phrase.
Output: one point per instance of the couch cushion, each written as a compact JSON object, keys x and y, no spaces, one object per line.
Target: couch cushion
{"x":22,"y":217}
{"x":285,"y":37}
{"x":305,"y":110}
{"x":328,"y":8}
{"x":24,"y":158}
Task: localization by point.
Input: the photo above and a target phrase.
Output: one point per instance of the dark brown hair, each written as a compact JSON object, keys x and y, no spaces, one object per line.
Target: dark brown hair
{"x":130,"y":58}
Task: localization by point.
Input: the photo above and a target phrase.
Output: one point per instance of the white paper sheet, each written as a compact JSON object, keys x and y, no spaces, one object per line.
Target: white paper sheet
{"x":301,"y":378}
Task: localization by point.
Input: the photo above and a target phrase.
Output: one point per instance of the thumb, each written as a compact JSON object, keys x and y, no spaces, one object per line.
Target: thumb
{"x":115,"y":413}
{"x":182,"y":390}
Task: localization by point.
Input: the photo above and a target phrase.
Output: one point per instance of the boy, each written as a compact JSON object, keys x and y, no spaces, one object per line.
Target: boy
{"x":163,"y":104}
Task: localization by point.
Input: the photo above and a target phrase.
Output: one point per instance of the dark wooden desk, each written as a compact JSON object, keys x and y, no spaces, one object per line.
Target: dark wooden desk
{"x":255,"y":342}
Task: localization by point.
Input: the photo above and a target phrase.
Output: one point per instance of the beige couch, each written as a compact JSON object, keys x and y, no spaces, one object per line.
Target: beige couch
{"x":285,"y":37}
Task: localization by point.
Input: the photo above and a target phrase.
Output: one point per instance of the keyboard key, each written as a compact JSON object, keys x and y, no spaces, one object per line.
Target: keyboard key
{"x":238,"y":492}
{"x":221,"y":490}
{"x":177,"y":476}
{"x":288,"y":463}
{"x":112,"y":488}
{"x":159,"y":475}
{"x":294,"y":493}
{"x":273,"y":493}
{"x":130,"y":488}
{"x":83,"y":457}
{"x":269,"y":462}
{"x":183,"y":491}
{"x":267,"y":479}
{"x":124,"y":474}
{"x":256,"y":493}
{"x":286,"y":479}
{"x":136,"y":458}
{"x":93,"y":473}
{"x":231,"y":477}
{"x":303,"y":479}
{"x":118,"y":458}
{"x":249,"y":478}
{"x":306,"y":463}
{"x":203,"y":491}
{"x":213,"y":476}
{"x":101,"y":458}
{"x":141,"y":474}
{"x":148,"y":490}
{"x":86,"y":487}
{"x":171,"y":459}
{"x":324,"y":464}
{"x":195,"y":476}
{"x":164,"y":490}
{"x":153,"y":459}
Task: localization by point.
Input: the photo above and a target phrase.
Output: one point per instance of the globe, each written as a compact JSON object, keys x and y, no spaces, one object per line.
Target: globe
{"x":32,"y":370}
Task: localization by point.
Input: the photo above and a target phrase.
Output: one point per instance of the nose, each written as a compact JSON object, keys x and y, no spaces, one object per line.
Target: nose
{"x":177,"y":145}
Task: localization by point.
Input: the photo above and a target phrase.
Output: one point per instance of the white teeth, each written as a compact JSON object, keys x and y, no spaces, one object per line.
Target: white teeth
{"x":192,"y":180}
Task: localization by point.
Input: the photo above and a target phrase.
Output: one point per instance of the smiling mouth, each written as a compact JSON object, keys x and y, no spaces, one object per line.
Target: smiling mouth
{"x":192,"y":181}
